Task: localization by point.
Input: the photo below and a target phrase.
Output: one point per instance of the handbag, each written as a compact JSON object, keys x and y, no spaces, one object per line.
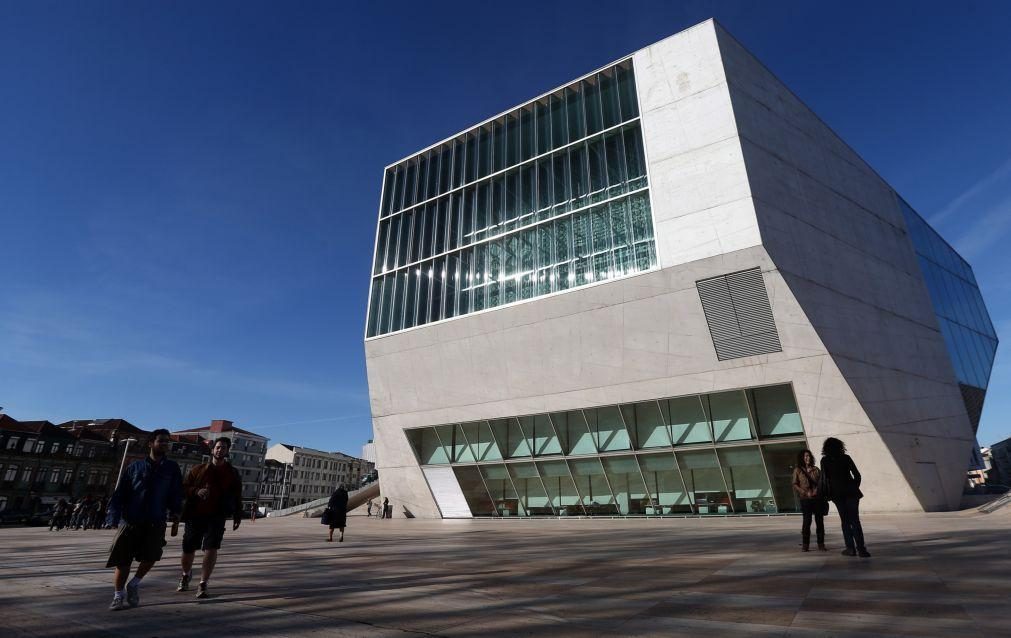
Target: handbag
{"x":325,"y":518}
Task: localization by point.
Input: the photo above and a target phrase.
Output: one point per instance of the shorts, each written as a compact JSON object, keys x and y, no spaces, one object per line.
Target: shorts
{"x":203,"y":532}
{"x":141,"y":542}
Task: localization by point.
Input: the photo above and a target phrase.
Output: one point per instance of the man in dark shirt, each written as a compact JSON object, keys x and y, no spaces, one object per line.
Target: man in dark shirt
{"x":147,"y":490}
{"x":213,"y":493}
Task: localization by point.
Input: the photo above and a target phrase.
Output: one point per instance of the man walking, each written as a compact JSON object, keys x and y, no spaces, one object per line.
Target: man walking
{"x":213,"y":493}
{"x":146,"y":491}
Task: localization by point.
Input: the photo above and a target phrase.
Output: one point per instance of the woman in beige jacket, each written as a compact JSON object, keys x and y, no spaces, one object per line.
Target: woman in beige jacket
{"x":806,"y":477}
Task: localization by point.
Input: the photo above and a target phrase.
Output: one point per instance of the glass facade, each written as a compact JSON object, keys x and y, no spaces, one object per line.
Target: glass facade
{"x":721,"y":453}
{"x":550,"y":196}
{"x":961,"y":313}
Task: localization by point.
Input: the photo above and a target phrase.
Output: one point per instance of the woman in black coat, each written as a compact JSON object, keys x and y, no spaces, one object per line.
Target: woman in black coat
{"x":336,"y":514}
{"x":840,"y":483}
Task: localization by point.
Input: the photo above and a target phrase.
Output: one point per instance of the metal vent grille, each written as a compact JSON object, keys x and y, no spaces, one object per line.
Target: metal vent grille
{"x":739,"y":314}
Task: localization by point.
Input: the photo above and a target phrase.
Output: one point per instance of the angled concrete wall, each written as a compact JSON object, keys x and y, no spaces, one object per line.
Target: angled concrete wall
{"x":834,"y":230}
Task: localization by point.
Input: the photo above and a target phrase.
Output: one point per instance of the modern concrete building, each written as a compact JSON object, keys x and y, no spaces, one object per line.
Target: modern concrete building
{"x":644,"y":292}
{"x":247,"y":453}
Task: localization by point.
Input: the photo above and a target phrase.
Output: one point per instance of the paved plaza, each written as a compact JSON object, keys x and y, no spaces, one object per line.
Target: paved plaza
{"x":936,"y":574}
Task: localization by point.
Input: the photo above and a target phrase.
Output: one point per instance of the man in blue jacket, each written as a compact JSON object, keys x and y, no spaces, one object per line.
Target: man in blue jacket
{"x":149,"y":492}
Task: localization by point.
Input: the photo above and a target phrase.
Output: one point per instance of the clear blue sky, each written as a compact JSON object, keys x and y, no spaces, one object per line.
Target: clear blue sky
{"x":188,"y":190}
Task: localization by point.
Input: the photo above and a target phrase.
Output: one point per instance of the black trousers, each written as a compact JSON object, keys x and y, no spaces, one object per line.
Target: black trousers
{"x":849,"y":513}
{"x":809,"y":507}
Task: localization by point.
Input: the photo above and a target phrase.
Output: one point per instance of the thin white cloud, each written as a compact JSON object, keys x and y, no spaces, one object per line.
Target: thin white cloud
{"x":996,"y":177}
{"x":986,"y":230}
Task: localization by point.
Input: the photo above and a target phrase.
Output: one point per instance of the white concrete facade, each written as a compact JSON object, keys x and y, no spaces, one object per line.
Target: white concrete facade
{"x":741,"y":175}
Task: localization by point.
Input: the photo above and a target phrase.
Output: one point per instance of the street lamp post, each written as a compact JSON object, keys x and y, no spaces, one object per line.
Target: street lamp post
{"x":126,"y":448}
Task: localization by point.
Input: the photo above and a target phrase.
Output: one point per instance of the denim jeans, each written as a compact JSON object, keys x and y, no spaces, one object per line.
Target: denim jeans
{"x":849,"y":513}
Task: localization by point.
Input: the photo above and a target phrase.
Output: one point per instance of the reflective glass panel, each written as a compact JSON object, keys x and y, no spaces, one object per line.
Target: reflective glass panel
{"x":474,"y":490}
{"x":593,"y":488}
{"x":688,"y":420}
{"x":729,"y":412}
{"x":746,"y":480}
{"x":561,"y":491}
{"x":500,"y":487}
{"x":775,"y":411}
{"x":529,"y":489}
{"x":647,"y":422}
{"x":701,"y":472}
{"x":627,"y":484}
{"x":663,"y":482}
{"x":608,"y":429}
{"x":780,"y":460}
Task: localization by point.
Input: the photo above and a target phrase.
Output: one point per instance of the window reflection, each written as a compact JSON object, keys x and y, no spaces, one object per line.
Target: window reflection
{"x":696,"y":474}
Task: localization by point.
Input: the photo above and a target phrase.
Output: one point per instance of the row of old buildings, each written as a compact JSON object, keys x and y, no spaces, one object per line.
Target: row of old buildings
{"x":42,"y":462}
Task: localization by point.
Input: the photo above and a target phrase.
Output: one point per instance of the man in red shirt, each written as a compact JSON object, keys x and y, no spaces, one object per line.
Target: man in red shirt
{"x":213,"y":492}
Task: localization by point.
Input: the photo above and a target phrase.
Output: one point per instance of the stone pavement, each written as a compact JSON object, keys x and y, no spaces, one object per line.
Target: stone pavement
{"x":937,"y":574}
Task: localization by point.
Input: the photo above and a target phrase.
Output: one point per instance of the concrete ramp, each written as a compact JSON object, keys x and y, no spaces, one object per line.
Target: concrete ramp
{"x":355,"y":499}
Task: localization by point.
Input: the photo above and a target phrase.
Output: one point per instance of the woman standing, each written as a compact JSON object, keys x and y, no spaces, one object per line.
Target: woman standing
{"x":337,"y":512}
{"x":840,"y":483}
{"x":806,"y":479}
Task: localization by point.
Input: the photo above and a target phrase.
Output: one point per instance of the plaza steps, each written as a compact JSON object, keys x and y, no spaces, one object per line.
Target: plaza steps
{"x":355,"y":499}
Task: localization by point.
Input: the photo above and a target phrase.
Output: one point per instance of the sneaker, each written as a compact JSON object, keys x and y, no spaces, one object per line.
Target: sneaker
{"x":184,"y":583}
{"x":849,"y":552}
{"x":117,"y":603}
{"x":133,"y":595}
{"x":202,"y":590}
{"x":863,"y":553}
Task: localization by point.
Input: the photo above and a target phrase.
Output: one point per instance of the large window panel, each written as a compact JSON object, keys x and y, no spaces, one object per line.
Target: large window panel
{"x":474,"y":490}
{"x":780,"y":459}
{"x":688,"y":420}
{"x":428,"y":446}
{"x":626,"y":483}
{"x":530,"y":490}
{"x":729,"y":412}
{"x":482,"y":444}
{"x":462,"y":450}
{"x":776,"y":411}
{"x":510,"y":437}
{"x":500,"y":487}
{"x":562,"y":492}
{"x":608,"y":428}
{"x":664,"y":484}
{"x":593,"y":487}
{"x":576,"y":437}
{"x":701,"y":471}
{"x":745,"y":475}
{"x":647,"y":422}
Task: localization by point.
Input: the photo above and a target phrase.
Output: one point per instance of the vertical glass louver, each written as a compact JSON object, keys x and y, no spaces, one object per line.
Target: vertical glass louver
{"x":961,"y":314}
{"x":548,"y":197}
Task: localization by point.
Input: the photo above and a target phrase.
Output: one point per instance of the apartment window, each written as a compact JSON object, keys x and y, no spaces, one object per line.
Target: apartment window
{"x":68,"y":475}
{"x":55,"y":447}
{"x":91,"y":452}
{"x":40,"y":447}
{"x":12,"y":473}
{"x":104,"y":478}
{"x":3,"y":503}
{"x":29,"y":445}
{"x":78,"y":449}
{"x":26,"y":475}
{"x":92,"y":476}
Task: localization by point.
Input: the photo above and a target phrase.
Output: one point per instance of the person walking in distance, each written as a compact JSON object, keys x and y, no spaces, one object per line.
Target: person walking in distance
{"x":806,"y":478}
{"x":840,"y":483}
{"x":336,"y":515}
{"x":149,"y":492}
{"x":213,"y":492}
{"x":387,"y":508}
{"x":368,"y":509}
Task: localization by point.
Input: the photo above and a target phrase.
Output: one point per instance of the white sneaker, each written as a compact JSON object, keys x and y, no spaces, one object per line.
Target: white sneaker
{"x":133,"y":595}
{"x":117,"y":603}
